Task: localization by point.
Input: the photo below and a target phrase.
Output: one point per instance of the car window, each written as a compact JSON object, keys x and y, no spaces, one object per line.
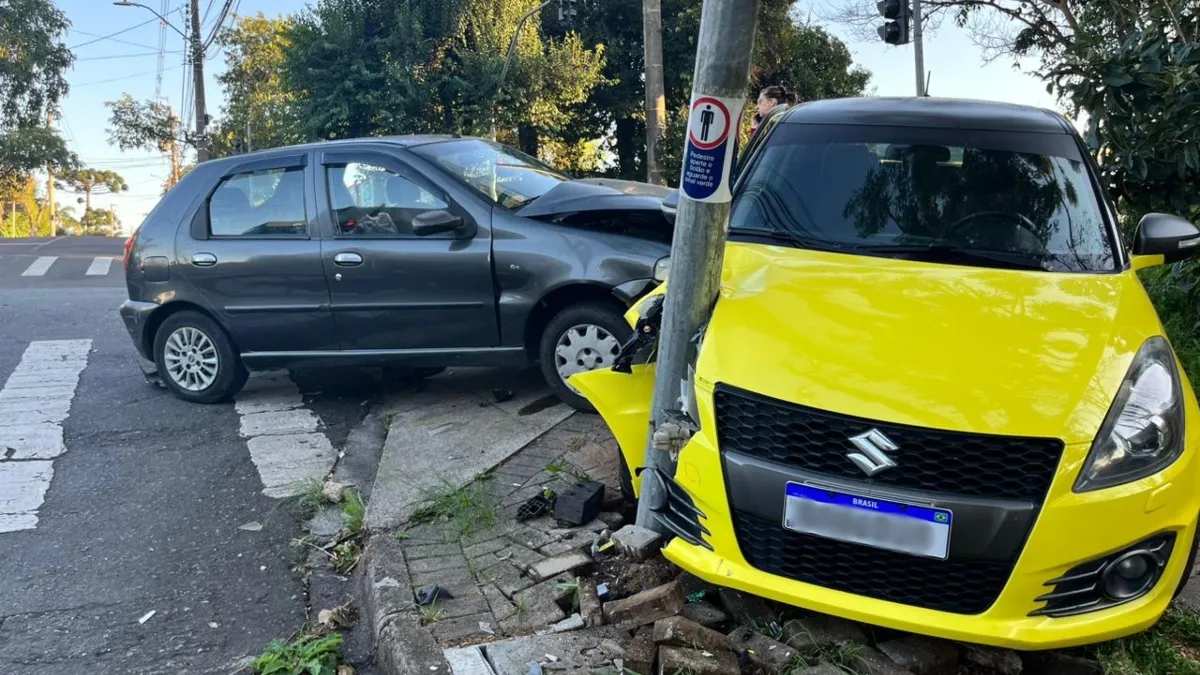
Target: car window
{"x":879,"y":192}
{"x":259,"y":204}
{"x":370,"y":200}
{"x":505,"y":176}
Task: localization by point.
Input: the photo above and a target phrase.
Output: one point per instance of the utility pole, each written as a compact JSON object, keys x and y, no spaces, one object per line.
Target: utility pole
{"x":918,"y":47}
{"x":174,"y":147}
{"x":198,"y":81}
{"x":698,"y":247}
{"x":656,"y":101}
{"x":49,"y":191}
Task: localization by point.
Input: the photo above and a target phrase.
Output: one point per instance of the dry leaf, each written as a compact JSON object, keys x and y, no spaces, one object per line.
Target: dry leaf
{"x":252,"y":526}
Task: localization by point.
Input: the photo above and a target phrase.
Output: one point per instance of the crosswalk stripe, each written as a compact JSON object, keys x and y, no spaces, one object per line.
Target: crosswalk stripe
{"x":39,"y":267}
{"x":34,"y":402}
{"x":99,"y":266}
{"x":282,"y":435}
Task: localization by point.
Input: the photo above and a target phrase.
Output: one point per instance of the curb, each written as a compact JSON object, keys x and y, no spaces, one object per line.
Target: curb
{"x":402,"y":645}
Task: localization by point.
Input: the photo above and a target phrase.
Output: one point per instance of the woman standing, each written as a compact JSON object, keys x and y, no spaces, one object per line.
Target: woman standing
{"x":769,"y":98}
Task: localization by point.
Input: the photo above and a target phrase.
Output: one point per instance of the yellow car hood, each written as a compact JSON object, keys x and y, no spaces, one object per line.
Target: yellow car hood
{"x":946,"y":346}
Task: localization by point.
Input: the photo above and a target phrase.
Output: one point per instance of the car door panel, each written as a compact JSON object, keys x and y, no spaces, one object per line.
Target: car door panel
{"x":392,"y":290}
{"x":256,"y":262}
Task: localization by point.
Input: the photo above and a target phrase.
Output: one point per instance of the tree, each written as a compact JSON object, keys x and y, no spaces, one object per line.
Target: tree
{"x":33,"y":61}
{"x":99,"y":222}
{"x":260,"y":109}
{"x":145,"y":125}
{"x":92,"y":181}
{"x":1134,"y":72}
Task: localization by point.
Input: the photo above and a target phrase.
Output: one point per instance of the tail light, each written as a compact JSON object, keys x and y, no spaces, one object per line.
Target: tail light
{"x":129,"y":248}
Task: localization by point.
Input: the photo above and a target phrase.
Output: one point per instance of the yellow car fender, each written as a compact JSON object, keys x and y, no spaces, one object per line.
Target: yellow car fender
{"x":623,"y":400}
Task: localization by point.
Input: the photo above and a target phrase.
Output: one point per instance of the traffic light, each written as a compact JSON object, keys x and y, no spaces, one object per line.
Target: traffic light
{"x":897,"y":12}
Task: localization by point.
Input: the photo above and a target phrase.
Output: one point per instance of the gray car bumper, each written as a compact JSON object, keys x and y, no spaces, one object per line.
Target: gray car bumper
{"x":135,"y":315}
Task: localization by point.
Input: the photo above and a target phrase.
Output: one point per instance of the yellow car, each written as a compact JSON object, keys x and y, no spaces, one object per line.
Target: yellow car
{"x":933,"y":394}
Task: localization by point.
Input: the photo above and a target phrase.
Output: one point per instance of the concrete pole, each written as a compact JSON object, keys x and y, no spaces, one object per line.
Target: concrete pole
{"x":49,"y":191}
{"x":656,"y":100}
{"x":198,"y":83}
{"x":698,"y":249}
{"x":918,"y":47}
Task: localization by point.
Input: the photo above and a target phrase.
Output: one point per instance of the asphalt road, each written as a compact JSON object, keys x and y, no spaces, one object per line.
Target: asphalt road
{"x":142,"y":511}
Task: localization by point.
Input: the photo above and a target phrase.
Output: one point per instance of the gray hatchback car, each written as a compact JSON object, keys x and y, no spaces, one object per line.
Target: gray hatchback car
{"x":418,"y":252}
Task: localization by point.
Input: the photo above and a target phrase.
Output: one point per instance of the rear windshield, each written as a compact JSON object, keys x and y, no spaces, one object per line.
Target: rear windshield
{"x":1020,"y":200}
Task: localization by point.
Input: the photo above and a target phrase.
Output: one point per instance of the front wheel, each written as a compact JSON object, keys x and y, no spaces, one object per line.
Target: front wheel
{"x":580,"y":338}
{"x":196,"y":359}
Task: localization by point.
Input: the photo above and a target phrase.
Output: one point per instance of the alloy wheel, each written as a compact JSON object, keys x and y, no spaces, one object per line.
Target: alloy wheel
{"x":191,"y":359}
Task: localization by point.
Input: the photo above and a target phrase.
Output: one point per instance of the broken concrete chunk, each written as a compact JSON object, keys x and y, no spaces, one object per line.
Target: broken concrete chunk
{"x":544,"y":569}
{"x":678,"y":631}
{"x":743,"y":606}
{"x":333,"y":490}
{"x":814,"y":632}
{"x":573,"y":622}
{"x":1000,"y":661}
{"x":589,"y":604}
{"x":703,"y":613}
{"x":640,"y":654}
{"x":637,"y":542}
{"x":869,"y":661}
{"x":645,"y":607}
{"x":921,"y":655}
{"x":768,"y":655}
{"x":672,"y":660}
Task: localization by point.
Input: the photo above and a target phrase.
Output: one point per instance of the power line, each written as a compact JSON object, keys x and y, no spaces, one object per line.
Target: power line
{"x":118,"y":79}
{"x":110,"y":35}
{"x":216,"y":29}
{"x":111,"y":39}
{"x":121,"y":56}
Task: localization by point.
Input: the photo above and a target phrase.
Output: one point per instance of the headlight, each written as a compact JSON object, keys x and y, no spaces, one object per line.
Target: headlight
{"x":661,"y":268}
{"x":1143,"y":433}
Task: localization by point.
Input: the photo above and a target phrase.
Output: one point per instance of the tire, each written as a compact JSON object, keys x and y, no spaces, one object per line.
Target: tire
{"x":626,"y":481}
{"x":1191,"y":562}
{"x":588,"y":349}
{"x":197,"y":336}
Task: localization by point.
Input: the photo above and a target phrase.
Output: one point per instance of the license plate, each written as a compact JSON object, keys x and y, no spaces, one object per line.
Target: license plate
{"x":870,"y":521}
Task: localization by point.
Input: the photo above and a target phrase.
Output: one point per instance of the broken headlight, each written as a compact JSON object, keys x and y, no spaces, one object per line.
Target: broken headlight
{"x":1143,"y":433}
{"x":661,"y":268}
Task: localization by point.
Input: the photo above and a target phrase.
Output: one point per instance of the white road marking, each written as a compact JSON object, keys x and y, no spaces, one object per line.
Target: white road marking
{"x":38,"y":267}
{"x":282,"y":435}
{"x":99,"y":266}
{"x":34,"y":402}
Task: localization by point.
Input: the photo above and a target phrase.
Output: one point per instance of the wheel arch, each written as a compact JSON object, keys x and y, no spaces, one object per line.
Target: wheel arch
{"x":160,"y":315}
{"x":559,"y":299}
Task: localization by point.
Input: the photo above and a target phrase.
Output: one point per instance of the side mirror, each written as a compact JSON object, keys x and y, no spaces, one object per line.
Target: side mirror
{"x":435,"y":222}
{"x":670,"y":206}
{"x":1169,"y":236}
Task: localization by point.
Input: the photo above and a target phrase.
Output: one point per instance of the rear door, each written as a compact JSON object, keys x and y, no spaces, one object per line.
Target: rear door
{"x":252,"y":252}
{"x":389,"y":288}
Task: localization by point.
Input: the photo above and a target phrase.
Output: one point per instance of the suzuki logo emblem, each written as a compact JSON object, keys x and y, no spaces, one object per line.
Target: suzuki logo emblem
{"x":873,"y":457}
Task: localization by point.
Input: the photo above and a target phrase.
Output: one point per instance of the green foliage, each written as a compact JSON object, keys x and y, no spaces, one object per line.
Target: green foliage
{"x":307,"y":655}
{"x":33,"y":62}
{"x":141,"y":125}
{"x":257,"y":100}
{"x":470,"y":508}
{"x":1175,"y":291}
{"x":1169,"y":648}
{"x":1134,"y":71}
{"x":90,"y":182}
{"x":354,"y":511}
{"x":99,"y":222}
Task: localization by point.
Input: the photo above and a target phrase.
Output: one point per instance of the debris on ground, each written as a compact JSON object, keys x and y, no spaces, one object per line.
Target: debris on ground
{"x":579,"y":503}
{"x":502,"y":395}
{"x":536,"y":505}
{"x":333,"y":491}
{"x":426,"y":595}
{"x":636,"y":541}
{"x":336,"y":618}
{"x":147,"y":616}
{"x":252,"y":526}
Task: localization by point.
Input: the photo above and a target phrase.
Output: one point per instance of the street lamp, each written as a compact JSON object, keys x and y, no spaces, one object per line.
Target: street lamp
{"x":197,"y":69}
{"x":512,"y":47}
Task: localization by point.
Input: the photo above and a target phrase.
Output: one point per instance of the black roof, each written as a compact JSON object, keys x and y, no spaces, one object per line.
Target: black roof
{"x":946,"y":113}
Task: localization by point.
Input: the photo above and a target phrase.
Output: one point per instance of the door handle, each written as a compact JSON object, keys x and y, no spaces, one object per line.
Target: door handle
{"x":204,"y":260}
{"x":348,"y":259}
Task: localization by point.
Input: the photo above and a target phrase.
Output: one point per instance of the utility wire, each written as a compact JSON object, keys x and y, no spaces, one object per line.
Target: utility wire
{"x":122,"y":56}
{"x":118,"y":79}
{"x":111,"y":35}
{"x":110,"y":39}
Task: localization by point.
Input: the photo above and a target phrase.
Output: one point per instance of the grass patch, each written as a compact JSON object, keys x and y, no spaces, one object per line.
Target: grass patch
{"x":312,"y":494}
{"x":470,"y":508}
{"x":429,"y":613}
{"x":401,"y":535}
{"x":345,"y":556}
{"x":1172,"y":647}
{"x":354,"y":511}
{"x":561,"y":466}
{"x":306,"y":655}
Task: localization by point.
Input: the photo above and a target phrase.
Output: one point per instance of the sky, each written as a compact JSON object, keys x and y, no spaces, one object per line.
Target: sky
{"x":106,"y":68}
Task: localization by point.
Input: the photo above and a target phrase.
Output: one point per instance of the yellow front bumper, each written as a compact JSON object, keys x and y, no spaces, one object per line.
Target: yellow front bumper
{"x":1072,"y":528}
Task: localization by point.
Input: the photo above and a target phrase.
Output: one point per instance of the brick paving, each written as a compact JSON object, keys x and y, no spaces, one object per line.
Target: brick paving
{"x":486,"y":569}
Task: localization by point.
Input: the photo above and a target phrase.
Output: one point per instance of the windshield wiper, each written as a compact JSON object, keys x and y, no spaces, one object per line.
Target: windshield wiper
{"x":943,"y":252}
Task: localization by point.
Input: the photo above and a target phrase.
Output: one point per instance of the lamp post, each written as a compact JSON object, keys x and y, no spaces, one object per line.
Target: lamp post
{"x":512,"y":48}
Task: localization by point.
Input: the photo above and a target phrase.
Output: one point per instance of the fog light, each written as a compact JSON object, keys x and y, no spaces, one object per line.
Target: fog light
{"x":1130,"y":575}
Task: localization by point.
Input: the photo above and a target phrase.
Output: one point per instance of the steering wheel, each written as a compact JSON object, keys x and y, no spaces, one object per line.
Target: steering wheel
{"x":1021,"y":221}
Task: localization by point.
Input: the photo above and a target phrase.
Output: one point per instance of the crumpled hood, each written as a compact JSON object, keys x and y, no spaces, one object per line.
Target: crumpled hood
{"x":945,"y":346}
{"x":596,"y":194}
